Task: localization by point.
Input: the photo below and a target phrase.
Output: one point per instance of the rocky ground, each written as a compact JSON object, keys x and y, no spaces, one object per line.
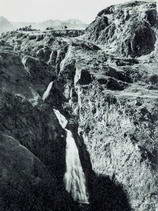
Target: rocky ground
{"x":105,"y":82}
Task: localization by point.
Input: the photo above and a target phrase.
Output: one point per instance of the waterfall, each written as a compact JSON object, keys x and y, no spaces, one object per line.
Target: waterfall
{"x":74,"y":178}
{"x":47,"y":92}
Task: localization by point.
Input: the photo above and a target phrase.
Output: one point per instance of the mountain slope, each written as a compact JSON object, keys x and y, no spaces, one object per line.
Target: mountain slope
{"x":128,"y":29}
{"x":5,"y":25}
{"x":58,"y":24}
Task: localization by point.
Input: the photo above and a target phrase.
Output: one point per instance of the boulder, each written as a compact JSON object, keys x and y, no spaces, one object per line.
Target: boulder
{"x":83,"y":77}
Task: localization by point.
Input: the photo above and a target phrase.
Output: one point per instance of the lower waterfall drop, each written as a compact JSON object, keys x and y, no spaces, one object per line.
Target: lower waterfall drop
{"x":74,"y":178}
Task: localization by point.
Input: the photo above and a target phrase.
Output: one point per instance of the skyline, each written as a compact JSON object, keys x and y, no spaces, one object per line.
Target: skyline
{"x":42,"y":10}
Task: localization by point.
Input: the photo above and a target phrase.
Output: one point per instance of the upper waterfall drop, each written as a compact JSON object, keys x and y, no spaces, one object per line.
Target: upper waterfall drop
{"x":62,"y":120}
{"x":47,"y":92}
{"x":74,"y":178}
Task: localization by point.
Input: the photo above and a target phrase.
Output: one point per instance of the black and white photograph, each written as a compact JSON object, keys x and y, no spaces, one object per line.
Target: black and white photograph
{"x":78,"y":105}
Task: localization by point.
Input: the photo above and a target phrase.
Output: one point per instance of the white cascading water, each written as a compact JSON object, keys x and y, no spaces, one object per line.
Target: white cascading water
{"x":47,"y":92}
{"x":74,"y":178}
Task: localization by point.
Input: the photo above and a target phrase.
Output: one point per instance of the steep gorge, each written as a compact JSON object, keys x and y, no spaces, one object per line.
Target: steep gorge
{"x":81,"y":115}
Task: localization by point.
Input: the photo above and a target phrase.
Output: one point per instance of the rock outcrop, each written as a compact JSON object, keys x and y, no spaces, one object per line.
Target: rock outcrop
{"x":127,"y":29}
{"x":26,"y":184}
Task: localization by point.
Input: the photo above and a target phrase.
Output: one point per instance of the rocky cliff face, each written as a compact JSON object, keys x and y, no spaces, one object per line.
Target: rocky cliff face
{"x":127,"y":29}
{"x":33,"y":143}
{"x":79,"y":115}
{"x":116,"y":103}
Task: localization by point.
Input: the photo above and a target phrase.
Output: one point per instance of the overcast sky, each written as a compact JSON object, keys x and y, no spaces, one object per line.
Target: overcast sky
{"x":40,"y":10}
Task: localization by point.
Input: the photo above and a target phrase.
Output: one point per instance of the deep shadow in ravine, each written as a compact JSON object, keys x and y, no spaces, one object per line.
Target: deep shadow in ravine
{"x":105,"y":194}
{"x":108,"y":195}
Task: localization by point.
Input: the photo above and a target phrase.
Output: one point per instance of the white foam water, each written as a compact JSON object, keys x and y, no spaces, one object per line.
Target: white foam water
{"x":74,"y":178}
